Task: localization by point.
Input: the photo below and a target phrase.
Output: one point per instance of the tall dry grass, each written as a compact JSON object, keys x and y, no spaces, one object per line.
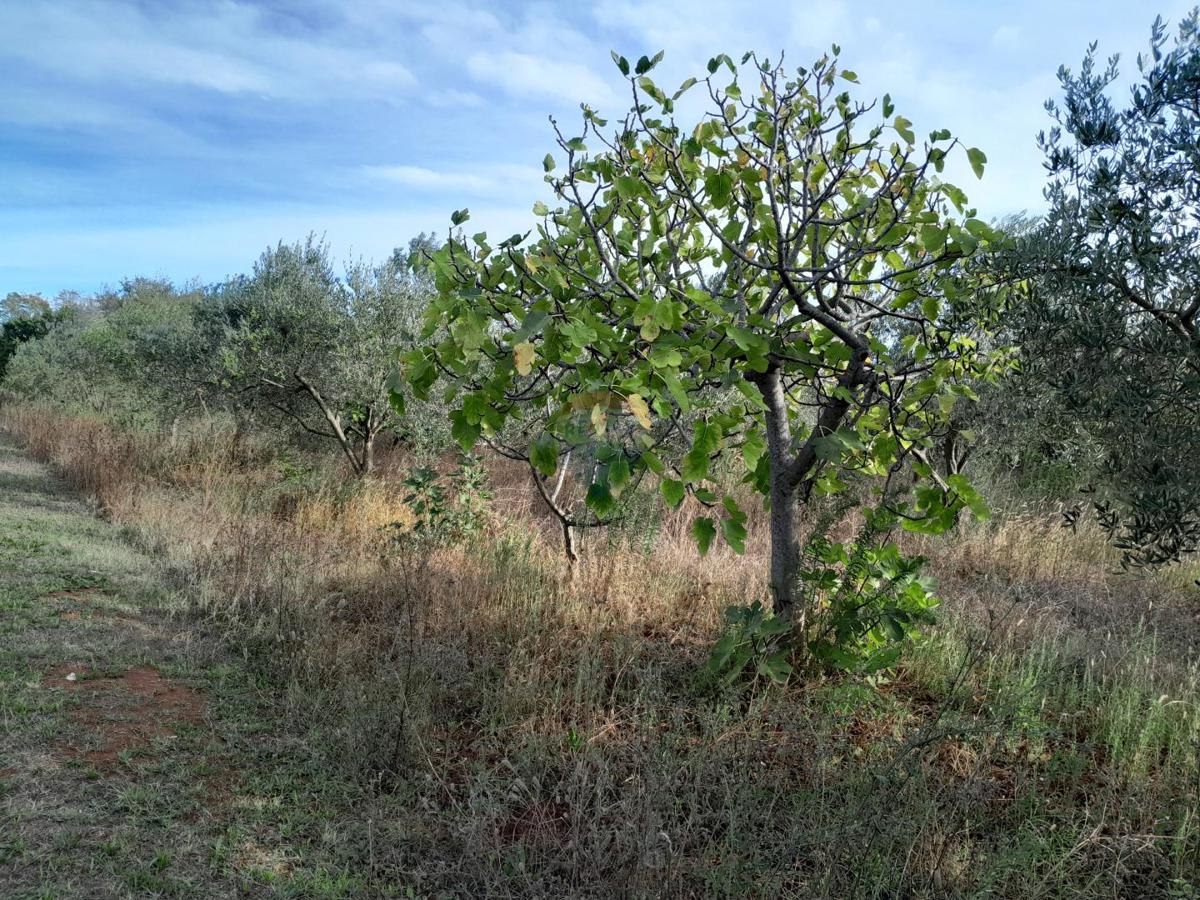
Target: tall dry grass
{"x":518,"y":732}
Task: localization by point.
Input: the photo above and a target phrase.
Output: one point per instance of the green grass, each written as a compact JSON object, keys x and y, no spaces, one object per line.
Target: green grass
{"x":191,"y":815}
{"x":520,"y":753}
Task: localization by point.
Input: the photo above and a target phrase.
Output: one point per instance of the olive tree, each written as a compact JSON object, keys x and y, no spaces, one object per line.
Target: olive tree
{"x":775,"y":286}
{"x":20,"y":330}
{"x":23,"y":306}
{"x":1112,"y":329}
{"x":318,"y":349}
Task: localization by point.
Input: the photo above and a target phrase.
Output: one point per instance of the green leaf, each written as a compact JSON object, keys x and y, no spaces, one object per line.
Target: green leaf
{"x":686,"y":86}
{"x":600,"y":499}
{"x":746,"y":339}
{"x":706,"y":439}
{"x":695,"y":466}
{"x":543,"y":454}
{"x":541,"y":209}
{"x":893,"y":629}
{"x":904,"y":128}
{"x":622,"y":62}
{"x":753,"y":448}
{"x":548,"y":163}
{"x":955,"y":195}
{"x":466,"y":433}
{"x":629,"y":187}
{"x":647,"y":85}
{"x":735,"y":534}
{"x":775,"y":667}
{"x":673,"y":491}
{"x":459,"y":216}
{"x":665,"y":358}
{"x":719,"y":185}
{"x":619,"y":474}
{"x":933,"y":238}
{"x":704,"y":531}
{"x":977,"y":158}
{"x":645,"y":64}
{"x":971,"y":497}
{"x":883,"y":659}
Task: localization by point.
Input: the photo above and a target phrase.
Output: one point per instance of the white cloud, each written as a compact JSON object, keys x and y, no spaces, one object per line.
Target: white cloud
{"x":690,"y":32}
{"x":227,"y":48}
{"x":450,"y":97}
{"x":526,"y":75}
{"x":483,"y":179}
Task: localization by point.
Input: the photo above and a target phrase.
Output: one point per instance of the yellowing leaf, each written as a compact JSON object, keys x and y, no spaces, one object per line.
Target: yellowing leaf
{"x":599,"y":420}
{"x":640,"y":409}
{"x":523,"y":357}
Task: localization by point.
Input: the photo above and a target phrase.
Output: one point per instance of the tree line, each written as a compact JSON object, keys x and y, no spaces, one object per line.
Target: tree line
{"x":779,"y":298}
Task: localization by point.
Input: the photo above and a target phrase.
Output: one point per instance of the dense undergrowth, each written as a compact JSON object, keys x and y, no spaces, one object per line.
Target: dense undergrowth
{"x":537,"y":734}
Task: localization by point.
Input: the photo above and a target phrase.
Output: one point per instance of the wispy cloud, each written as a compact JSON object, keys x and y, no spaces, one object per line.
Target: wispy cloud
{"x":484,"y":179}
{"x":128,"y":122}
{"x":525,"y":75}
{"x":227,"y":48}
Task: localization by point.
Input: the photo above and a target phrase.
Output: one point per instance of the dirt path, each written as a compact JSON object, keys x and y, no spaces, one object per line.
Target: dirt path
{"x":135,"y":761}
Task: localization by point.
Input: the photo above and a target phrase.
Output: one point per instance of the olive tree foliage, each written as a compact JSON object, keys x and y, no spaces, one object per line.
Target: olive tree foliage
{"x":1113,"y":326}
{"x":793,"y":252}
{"x":318,"y":349}
{"x":99,"y":356}
{"x":16,"y":305}
{"x":23,"y":317}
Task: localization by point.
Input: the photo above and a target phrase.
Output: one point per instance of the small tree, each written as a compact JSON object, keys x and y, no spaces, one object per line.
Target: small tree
{"x":23,"y":317}
{"x":17,"y":331}
{"x":23,"y":306}
{"x":319,"y":350}
{"x":1112,"y":331}
{"x":777,"y":285}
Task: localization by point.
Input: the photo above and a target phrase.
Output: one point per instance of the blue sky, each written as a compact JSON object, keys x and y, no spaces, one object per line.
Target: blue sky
{"x":179,"y":138}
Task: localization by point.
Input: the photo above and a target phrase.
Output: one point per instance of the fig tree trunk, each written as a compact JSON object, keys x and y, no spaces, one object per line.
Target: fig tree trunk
{"x":785,"y":550}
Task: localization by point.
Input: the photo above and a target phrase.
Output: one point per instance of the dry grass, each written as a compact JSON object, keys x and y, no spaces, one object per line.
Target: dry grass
{"x":554,"y":737}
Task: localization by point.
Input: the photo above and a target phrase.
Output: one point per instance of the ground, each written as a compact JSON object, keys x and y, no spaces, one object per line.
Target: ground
{"x":533,"y":747}
{"x":135,"y":759}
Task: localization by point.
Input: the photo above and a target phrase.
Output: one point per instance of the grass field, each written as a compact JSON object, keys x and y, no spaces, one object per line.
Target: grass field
{"x":270,"y":702}
{"x":137,"y":759}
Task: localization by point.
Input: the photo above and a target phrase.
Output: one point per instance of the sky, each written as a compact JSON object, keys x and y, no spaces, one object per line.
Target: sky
{"x":179,"y":138}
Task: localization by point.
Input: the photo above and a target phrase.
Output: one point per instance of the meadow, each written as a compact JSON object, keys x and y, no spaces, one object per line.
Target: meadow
{"x":504,"y":728}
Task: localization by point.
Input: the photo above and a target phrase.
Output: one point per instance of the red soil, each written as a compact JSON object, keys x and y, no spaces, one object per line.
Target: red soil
{"x":125,"y":713}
